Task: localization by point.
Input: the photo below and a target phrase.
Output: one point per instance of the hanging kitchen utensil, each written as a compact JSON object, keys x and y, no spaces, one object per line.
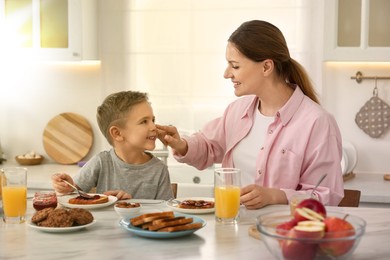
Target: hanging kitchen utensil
{"x":374,"y":117}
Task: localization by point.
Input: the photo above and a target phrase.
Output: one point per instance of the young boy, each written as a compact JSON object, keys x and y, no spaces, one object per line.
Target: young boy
{"x":126,"y":171}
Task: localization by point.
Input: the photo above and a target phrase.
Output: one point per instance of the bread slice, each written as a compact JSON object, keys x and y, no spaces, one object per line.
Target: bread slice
{"x":158,"y":221}
{"x":97,"y":199}
{"x":154,"y":222}
{"x":181,"y":227}
{"x":170,"y":223}
{"x":149,"y":217}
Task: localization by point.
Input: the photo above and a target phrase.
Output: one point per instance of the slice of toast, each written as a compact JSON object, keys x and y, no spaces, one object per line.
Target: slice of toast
{"x":154,"y":222}
{"x":170,"y":223}
{"x":149,"y":217}
{"x":158,"y":221}
{"x":181,"y":227}
{"x":97,"y":199}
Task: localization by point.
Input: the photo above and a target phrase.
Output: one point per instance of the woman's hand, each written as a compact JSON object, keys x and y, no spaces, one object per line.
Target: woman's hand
{"x":120,"y":194}
{"x":256,"y":197}
{"x":60,"y":186}
{"x":169,"y":135}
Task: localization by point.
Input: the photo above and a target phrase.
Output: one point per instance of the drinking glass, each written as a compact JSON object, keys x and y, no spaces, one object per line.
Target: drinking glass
{"x":227,"y":183}
{"x":14,"y":193}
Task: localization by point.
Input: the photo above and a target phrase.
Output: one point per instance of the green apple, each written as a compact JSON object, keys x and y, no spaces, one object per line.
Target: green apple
{"x":337,"y":228}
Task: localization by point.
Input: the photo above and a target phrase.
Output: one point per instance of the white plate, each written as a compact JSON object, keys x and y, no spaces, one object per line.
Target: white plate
{"x":64,"y":201}
{"x":153,"y":234}
{"x":174,"y":206}
{"x":145,"y":201}
{"x":352,"y":156}
{"x":59,"y":229}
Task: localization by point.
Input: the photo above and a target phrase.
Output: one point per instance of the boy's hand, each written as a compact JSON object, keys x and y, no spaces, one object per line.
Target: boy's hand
{"x":120,"y":194}
{"x":60,"y":186}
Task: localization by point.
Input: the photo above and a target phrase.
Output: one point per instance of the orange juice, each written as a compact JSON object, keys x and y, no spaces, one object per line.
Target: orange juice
{"x":14,"y":200}
{"x":227,"y":201}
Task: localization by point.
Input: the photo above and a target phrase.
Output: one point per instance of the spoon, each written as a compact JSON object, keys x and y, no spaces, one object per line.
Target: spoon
{"x":173,"y":201}
{"x":80,"y":192}
{"x":318,"y":183}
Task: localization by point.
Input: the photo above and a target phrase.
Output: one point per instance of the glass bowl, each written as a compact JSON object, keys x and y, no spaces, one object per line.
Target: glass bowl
{"x":284,"y":244}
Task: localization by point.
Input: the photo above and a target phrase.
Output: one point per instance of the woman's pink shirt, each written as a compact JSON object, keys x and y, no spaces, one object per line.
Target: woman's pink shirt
{"x":302,"y":144}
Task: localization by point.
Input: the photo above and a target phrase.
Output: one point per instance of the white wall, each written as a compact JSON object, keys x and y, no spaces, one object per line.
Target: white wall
{"x":344,"y":97}
{"x":174,"y":49}
{"x":33,"y":93}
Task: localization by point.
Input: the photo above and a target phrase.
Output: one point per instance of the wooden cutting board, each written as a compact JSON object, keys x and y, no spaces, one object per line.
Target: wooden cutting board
{"x":67,"y":138}
{"x":253,"y":232}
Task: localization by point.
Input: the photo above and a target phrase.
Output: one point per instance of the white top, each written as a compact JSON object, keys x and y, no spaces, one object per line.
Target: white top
{"x":246,"y":152}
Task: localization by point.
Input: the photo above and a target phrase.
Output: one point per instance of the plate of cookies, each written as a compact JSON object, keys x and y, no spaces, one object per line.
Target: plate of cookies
{"x":61,"y":220}
{"x":195,"y":205}
{"x":165,"y":224}
{"x":98,"y":201}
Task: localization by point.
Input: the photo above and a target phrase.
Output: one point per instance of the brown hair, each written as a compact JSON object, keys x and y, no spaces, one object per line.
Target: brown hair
{"x":260,"y":40}
{"x":116,"y":107}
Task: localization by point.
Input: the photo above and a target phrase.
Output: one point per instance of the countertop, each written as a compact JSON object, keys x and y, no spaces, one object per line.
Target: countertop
{"x":374,"y":189}
{"x":106,"y":239}
{"x":39,"y":176}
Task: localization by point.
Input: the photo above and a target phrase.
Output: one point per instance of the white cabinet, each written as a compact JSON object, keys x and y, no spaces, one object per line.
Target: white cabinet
{"x":48,"y":30}
{"x":357,"y":30}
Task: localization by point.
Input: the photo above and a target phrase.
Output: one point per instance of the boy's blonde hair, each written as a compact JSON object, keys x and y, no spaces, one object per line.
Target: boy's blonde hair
{"x":116,"y":107}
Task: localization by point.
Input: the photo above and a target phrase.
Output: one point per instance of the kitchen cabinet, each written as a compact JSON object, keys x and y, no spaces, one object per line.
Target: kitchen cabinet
{"x":357,"y":30}
{"x":54,"y":30}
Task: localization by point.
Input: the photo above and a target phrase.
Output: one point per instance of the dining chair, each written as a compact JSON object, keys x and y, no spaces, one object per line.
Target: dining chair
{"x":174,"y":189}
{"x":351,"y":198}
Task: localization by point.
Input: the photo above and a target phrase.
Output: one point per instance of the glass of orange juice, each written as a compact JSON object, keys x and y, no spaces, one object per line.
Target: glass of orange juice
{"x":227,"y":183}
{"x":14,"y":194}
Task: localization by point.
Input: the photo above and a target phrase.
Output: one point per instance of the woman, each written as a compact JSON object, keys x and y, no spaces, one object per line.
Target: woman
{"x":276,"y":133}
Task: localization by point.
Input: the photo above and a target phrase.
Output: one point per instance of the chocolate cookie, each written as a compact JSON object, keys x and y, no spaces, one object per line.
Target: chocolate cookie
{"x":41,"y":215}
{"x":81,"y":216}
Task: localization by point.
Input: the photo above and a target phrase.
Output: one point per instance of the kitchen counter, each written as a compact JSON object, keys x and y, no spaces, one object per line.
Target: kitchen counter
{"x":107,"y":240}
{"x":375,"y":191}
{"x":39,"y":176}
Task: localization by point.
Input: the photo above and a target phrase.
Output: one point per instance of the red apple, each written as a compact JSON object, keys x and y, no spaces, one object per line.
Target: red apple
{"x":306,"y":248}
{"x":310,"y":209}
{"x":283,"y":228}
{"x":337,"y":228}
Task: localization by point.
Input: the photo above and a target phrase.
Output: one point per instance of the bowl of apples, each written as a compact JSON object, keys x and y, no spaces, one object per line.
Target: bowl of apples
{"x":310,"y":232}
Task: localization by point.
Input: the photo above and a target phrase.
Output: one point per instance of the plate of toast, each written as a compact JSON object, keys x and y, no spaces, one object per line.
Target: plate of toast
{"x":98,"y":201}
{"x":166,"y":224}
{"x":194,"y":205}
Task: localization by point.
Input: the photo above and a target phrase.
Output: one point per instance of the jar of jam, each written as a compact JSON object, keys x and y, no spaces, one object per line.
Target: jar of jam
{"x":44,"y":199}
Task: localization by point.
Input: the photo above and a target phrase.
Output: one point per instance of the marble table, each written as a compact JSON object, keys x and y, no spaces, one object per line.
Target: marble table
{"x":107,"y":240}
